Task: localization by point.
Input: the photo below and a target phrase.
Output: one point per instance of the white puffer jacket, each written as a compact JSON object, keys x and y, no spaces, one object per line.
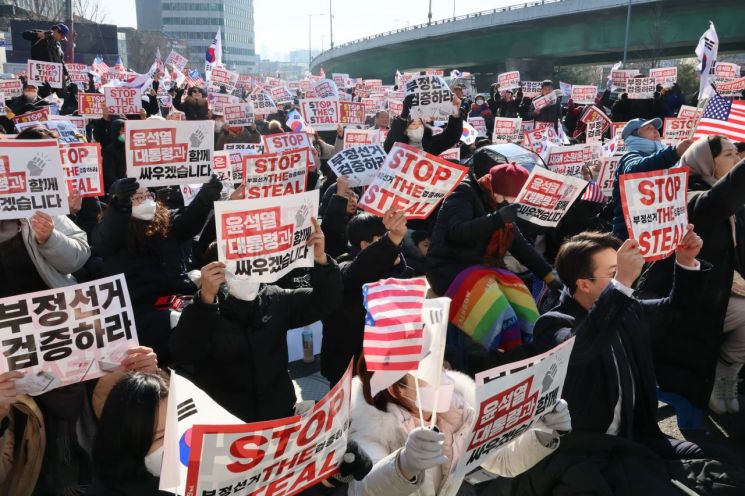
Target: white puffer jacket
{"x":383,"y":434}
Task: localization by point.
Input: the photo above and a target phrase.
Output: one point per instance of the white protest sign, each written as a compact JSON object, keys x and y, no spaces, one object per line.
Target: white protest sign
{"x":431,"y":97}
{"x":218,"y":101}
{"x":237,"y":151}
{"x":176,"y":60}
{"x":568,"y":160}
{"x":283,"y":142}
{"x":655,"y":209}
{"x":479,"y":124}
{"x":506,"y":130}
{"x":607,"y":174}
{"x":31,"y":179}
{"x":358,"y":163}
{"x":351,"y":113}
{"x":238,"y":114}
{"x":509,"y":80}
{"x":322,"y":114}
{"x":532,"y":89}
{"x":66,"y":333}
{"x":282,"y":456}
{"x":395,"y":107}
{"x":11,"y":88}
{"x":275,"y":174}
{"x":619,"y":77}
{"x":640,"y":88}
{"x":326,"y":88}
{"x":189,"y":192}
{"x":222,"y":167}
{"x":451,"y":154}
{"x":678,"y":128}
{"x":688,"y":111}
{"x":665,"y":76}
{"x":121,"y":100}
{"x":39,"y":72}
{"x":546,"y":196}
{"x":354,"y":137}
{"x":83,"y":169}
{"x":544,"y":101}
{"x":340,"y":79}
{"x":733,"y":87}
{"x":78,"y":73}
{"x":565,"y":88}
{"x":541,"y":140}
{"x":281,"y":94}
{"x":262,"y":240}
{"x":594,"y":131}
{"x":65,"y":131}
{"x":584,"y":95}
{"x":413,"y":181}
{"x":220,"y":78}
{"x":263,"y":103}
{"x":726,"y":70}
{"x":164,"y":153}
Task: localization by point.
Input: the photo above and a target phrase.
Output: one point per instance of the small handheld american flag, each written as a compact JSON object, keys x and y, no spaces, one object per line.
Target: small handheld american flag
{"x":722,"y":116}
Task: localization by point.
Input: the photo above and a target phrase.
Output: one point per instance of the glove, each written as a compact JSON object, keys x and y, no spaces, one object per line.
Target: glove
{"x":123,"y":189}
{"x":211,"y":189}
{"x":508,"y":214}
{"x":559,"y":418}
{"x":355,"y":464}
{"x":407,"y":106}
{"x":423,"y":450}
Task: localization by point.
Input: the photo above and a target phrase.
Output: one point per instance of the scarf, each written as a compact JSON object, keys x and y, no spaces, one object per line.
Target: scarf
{"x":643,"y":145}
{"x":501,"y":239}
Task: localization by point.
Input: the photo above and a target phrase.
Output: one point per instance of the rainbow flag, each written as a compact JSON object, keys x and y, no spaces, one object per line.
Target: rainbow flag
{"x":492,"y":306}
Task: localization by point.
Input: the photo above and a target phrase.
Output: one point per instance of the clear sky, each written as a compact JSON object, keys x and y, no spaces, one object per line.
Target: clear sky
{"x":282,"y":25}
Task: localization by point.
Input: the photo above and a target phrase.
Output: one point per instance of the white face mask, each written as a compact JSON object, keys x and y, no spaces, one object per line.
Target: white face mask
{"x":427,"y":396}
{"x":145,"y":210}
{"x":154,"y":461}
{"x":415,"y":135}
{"x":243,"y":289}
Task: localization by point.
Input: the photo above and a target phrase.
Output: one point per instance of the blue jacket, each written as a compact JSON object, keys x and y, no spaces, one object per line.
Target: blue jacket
{"x":635,"y":161}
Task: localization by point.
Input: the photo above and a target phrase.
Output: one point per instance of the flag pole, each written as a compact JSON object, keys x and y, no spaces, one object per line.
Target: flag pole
{"x":418,"y":398}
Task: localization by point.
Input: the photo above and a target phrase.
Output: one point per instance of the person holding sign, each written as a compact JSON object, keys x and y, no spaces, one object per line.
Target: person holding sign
{"x":610,"y":384}
{"x":645,"y":153}
{"x":233,"y":337}
{"x":549,"y":113}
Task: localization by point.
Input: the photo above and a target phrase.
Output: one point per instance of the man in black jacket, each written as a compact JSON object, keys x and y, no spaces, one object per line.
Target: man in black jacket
{"x":610,"y":384}
{"x":549,"y":113}
{"x":46,"y":45}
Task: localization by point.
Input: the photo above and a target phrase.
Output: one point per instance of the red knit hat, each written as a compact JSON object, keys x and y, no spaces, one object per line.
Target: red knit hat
{"x":508,"y":179}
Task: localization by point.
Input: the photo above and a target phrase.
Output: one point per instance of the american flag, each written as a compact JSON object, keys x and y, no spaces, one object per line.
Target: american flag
{"x":99,"y":66}
{"x":119,"y":67}
{"x":593,"y":193}
{"x":722,"y":116}
{"x":195,"y":82}
{"x":394,"y":334}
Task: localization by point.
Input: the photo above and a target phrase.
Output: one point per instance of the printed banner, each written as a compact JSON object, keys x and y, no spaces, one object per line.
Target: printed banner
{"x":413,"y":181}
{"x":727,"y":70}
{"x":275,"y":174}
{"x":640,"y":88}
{"x":359,"y":164}
{"x":395,"y":107}
{"x":731,"y":88}
{"x":220,"y":78}
{"x":432,"y":97}
{"x":67,"y":335}
{"x":281,"y":94}
{"x":91,"y":104}
{"x":176,"y":60}
{"x":325,"y":88}
{"x":509,"y":80}
{"x":264,"y":239}
{"x":322,"y":114}
{"x":218,"y":101}
{"x":678,"y":128}
{"x":584,"y":95}
{"x":238,"y":114}
{"x":122,"y":101}
{"x":263,"y":103}
{"x":688,"y":111}
{"x":237,"y":152}
{"x":283,"y":456}
{"x":569,"y":160}
{"x":451,"y":154}
{"x":544,"y":101}
{"x":35,"y":116}
{"x":340,"y":79}
{"x":507,"y":130}
{"x":11,"y":88}
{"x":547,"y":196}
{"x":354,"y":137}
{"x":164,"y":153}
{"x":78,"y":73}
{"x":351,"y":113}
{"x":31,"y":179}
{"x":666,"y":76}
{"x":619,"y":77}
{"x":655,"y":209}
{"x":83,"y":169}
{"x":40,"y":72}
{"x":607,"y":174}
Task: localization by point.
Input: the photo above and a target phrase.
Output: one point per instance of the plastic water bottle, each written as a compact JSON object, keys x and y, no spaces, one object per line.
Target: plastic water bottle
{"x":308,"y":356}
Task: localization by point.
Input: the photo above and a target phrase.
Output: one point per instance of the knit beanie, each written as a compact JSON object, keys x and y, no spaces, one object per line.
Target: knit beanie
{"x":508,"y":179}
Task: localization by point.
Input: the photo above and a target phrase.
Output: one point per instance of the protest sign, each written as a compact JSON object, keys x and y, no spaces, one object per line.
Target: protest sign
{"x":509,"y":80}
{"x":568,"y":160}
{"x":616,"y":129}
{"x":322,"y":114}
{"x":665,"y":76}
{"x":275,"y":174}
{"x":220,"y":78}
{"x":372,"y":84}
{"x":431,"y":97}
{"x":584,"y":95}
{"x":82,"y":165}
{"x":2,"y":104}
{"x":413,"y":181}
{"x":640,"y":88}
{"x":264,"y":239}
{"x":726,"y":70}
{"x":434,"y":72}
{"x":688,"y":111}
{"x":607,"y":174}
{"x":565,"y":88}
{"x":91,"y":104}
{"x":67,"y":335}
{"x":77,"y":121}
{"x":506,"y":130}
{"x":451,"y":154}
{"x":238,"y":114}
{"x":325,"y":88}
{"x":541,"y":140}
{"x":655,"y":209}
{"x":510,"y":400}
{"x":531,"y":89}
{"x":340,"y":79}
{"x":65,"y":131}
{"x":218,"y":101}
{"x":678,"y":128}
{"x":44,"y":72}
{"x":371,"y":105}
{"x":354,"y":137}
{"x":395,"y":107}
{"x":359,"y":164}
{"x":731,"y":88}
{"x":351,"y":113}
{"x":546,"y":196}
{"x":281,"y":94}
{"x":164,"y":153}
{"x":237,"y":152}
{"x":122,"y":101}
{"x":11,"y":88}
{"x":263,"y":103}
{"x":283,"y":142}
{"x":189,"y":192}
{"x":222,"y":167}
{"x":37,"y":116}
{"x":594,"y":131}
{"x":283,"y":456}
{"x":544,"y":101}
{"x":78,"y":73}
{"x":618,"y":77}
{"x":31,"y":179}
{"x":176,"y":60}
{"x":479,"y":124}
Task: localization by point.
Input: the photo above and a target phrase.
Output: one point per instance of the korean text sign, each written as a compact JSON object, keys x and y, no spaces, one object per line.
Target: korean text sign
{"x":584,"y":95}
{"x":67,"y":332}
{"x":413,"y":181}
{"x":655,"y":209}
{"x":432,"y":97}
{"x":82,"y":165}
{"x":358,"y":163}
{"x":546,"y":196}
{"x":640,"y":88}
{"x":238,"y":114}
{"x":264,"y":239}
{"x":506,"y":130}
{"x":31,"y":179}
{"x":568,"y":160}
{"x":282,"y":456}
{"x":275,"y":174}
{"x":163,"y":153}
{"x":40,"y":72}
{"x":509,"y":80}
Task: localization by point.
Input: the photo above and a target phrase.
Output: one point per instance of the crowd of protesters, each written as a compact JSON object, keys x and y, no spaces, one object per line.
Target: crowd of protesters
{"x":677,"y":324}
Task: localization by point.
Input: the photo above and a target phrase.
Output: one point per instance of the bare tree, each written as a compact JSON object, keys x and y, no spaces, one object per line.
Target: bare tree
{"x":90,"y":10}
{"x":42,"y":10}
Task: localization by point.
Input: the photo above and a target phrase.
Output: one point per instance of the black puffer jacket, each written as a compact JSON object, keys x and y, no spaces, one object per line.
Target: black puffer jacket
{"x":431,"y":143}
{"x":113,"y":156}
{"x":236,"y":351}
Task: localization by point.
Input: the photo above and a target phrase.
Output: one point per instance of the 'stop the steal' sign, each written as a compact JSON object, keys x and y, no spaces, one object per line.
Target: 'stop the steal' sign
{"x":655,"y":209}
{"x":322,"y":114}
{"x":432,"y":97}
{"x":413,"y":181}
{"x":44,"y":72}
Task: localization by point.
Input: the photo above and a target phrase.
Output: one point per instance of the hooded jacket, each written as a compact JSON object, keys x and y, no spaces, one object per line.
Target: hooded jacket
{"x":382,"y":435}
{"x":22,"y":451}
